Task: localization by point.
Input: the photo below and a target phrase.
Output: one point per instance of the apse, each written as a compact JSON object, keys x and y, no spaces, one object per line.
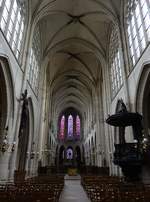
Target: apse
{"x":69,"y":125}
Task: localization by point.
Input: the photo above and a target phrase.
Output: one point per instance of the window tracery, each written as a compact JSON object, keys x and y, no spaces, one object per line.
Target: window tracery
{"x":62,"y":127}
{"x":78,"y":125}
{"x":70,"y":125}
{"x":12,"y":24}
{"x":138,"y":27}
{"x":115,"y":62}
{"x":34,"y":61}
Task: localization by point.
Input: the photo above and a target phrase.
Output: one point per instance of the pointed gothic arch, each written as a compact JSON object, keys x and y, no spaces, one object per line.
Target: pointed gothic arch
{"x":78,"y":126}
{"x":23,"y":137}
{"x":62,"y":128}
{"x":7,"y":92}
{"x":70,"y":126}
{"x":143,"y":97}
{"x":78,"y":156}
{"x":3,"y":102}
{"x":142,"y":101}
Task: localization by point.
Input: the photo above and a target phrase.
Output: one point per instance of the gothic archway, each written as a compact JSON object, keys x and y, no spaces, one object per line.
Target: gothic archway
{"x":3,"y":104}
{"x":143,"y":99}
{"x":146,"y":101}
{"x":93,"y":151}
{"x":142,"y":106}
{"x":83,"y":154}
{"x":61,"y":156}
{"x":69,"y":153}
{"x":31,"y":140}
{"x":78,"y":157}
{"x":56,"y":156}
{"x":23,"y":137}
{"x":6,"y":115}
{"x":6,"y":92}
{"x":90,"y":155}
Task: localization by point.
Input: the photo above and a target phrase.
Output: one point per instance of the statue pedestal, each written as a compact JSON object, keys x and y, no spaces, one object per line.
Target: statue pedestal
{"x":19,"y":176}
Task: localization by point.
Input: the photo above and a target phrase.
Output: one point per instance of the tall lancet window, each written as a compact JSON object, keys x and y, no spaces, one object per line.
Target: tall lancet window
{"x":115,"y":55}
{"x":34,"y":61}
{"x":138,"y":27}
{"x":62,"y":127}
{"x":70,"y":126}
{"x":78,"y":125}
{"x":12,"y":23}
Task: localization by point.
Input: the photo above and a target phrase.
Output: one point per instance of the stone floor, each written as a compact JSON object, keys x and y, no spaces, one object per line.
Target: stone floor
{"x":73,"y":191}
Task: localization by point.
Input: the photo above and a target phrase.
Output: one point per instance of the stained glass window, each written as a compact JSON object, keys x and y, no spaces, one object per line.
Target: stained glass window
{"x":69,"y":154}
{"x":62,"y":127}
{"x":70,"y":126}
{"x":78,"y":125}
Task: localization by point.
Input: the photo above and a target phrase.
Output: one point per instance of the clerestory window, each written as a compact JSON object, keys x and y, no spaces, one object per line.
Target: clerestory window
{"x":12,"y":24}
{"x":34,"y":61}
{"x":138,"y":27}
{"x":115,"y":62}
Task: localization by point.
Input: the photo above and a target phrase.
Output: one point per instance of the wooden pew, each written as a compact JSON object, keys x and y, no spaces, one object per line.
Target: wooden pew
{"x":43,"y":189}
{"x":113,"y":189}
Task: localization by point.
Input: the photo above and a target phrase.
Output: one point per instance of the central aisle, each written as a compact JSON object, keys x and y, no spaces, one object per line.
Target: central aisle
{"x":73,"y":191}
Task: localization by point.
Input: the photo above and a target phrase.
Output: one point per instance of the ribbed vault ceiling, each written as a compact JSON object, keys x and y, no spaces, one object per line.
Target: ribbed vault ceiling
{"x":75,"y":37}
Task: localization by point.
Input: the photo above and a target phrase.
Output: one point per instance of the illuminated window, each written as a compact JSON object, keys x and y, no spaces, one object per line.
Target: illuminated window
{"x":1,"y":1}
{"x":78,"y":126}
{"x":34,"y":61}
{"x":70,"y":126}
{"x":62,"y":127}
{"x":115,"y":62}
{"x":69,"y":154}
{"x":138,"y":27}
{"x":5,"y":14}
{"x":12,"y":21}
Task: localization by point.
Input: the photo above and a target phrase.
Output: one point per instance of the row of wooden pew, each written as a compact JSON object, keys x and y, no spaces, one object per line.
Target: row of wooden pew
{"x":113,"y":189}
{"x":39,"y":189}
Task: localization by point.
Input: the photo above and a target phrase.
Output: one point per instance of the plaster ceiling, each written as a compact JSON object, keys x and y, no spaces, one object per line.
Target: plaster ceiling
{"x":74,"y":38}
